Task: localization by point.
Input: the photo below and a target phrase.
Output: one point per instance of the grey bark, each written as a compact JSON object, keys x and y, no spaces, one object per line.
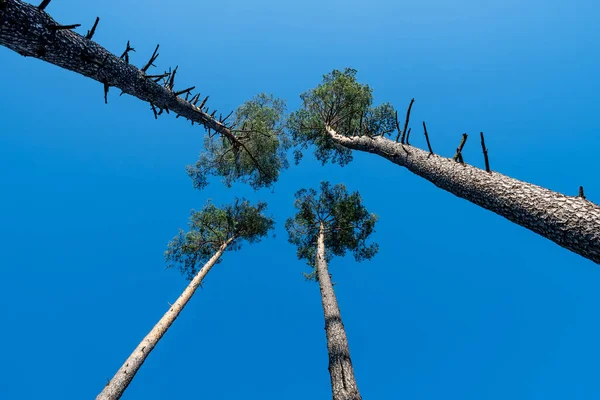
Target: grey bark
{"x":33,"y":33}
{"x":570,"y":221}
{"x":117,"y":385}
{"x":343,"y":383}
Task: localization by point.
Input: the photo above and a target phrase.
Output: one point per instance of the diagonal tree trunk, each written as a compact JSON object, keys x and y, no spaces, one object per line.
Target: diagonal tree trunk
{"x":572,"y":222}
{"x":117,"y":385}
{"x":31,"y":32}
{"x":343,"y":383}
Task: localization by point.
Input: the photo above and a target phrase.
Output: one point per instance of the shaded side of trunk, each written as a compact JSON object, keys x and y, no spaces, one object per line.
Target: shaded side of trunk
{"x":343,"y":383}
{"x":33,"y":33}
{"x":117,"y":385}
{"x":572,"y":222}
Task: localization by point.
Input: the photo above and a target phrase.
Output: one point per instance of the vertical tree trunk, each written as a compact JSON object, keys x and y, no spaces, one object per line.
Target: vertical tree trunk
{"x":570,"y":221}
{"x":343,"y":383}
{"x":117,"y":385}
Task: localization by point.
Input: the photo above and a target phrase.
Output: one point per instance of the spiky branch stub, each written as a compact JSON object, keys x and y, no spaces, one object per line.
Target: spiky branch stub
{"x":347,"y":224}
{"x":31,"y":32}
{"x":211,"y":227}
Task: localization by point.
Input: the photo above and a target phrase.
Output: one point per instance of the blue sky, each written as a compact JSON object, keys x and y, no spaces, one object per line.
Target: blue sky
{"x":459,"y":303}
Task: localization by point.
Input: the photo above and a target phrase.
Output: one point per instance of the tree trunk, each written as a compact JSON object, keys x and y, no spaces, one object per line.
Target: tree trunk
{"x":570,"y":221}
{"x":117,"y":385}
{"x":33,"y":33}
{"x":343,"y":383}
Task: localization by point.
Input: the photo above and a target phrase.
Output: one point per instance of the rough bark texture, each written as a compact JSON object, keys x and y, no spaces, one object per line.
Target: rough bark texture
{"x":33,"y":33}
{"x":343,"y":383}
{"x":117,"y":385}
{"x":570,"y":221}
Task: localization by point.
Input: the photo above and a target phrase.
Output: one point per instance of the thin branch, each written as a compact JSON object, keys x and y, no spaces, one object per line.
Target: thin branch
{"x":427,"y":138}
{"x":485,"y":154}
{"x":406,"y":121}
{"x":152,"y":59}
{"x":157,"y":76}
{"x":43,"y":5}
{"x":91,"y":32}
{"x":407,"y":136}
{"x":63,"y":27}
{"x":458,"y":156}
{"x":203,"y":102}
{"x":188,"y":90}
{"x":397,"y":126}
{"x":171,"y":81}
{"x":125,"y":54}
{"x":225,"y":119}
{"x":154,"y":111}
{"x":106,"y":87}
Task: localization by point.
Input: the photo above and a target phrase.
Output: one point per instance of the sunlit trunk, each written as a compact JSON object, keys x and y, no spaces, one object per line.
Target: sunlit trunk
{"x":570,"y":221}
{"x":117,"y":385}
{"x":343,"y":383}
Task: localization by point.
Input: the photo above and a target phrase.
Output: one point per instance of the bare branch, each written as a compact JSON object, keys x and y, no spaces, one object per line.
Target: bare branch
{"x":427,"y":138}
{"x":485,"y":154}
{"x":152,"y":59}
{"x":63,"y":27}
{"x":91,"y":32}
{"x":458,"y":156}
{"x":43,"y":5}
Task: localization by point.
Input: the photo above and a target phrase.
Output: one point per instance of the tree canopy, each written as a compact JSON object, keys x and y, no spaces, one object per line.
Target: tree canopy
{"x":212,"y":227}
{"x":343,"y":104}
{"x":254,"y":153}
{"x":346,"y":224}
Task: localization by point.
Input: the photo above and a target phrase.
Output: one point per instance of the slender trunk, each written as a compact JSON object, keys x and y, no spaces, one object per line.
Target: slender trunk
{"x":33,"y":33}
{"x":117,"y":385}
{"x":572,"y":222}
{"x":343,"y":383}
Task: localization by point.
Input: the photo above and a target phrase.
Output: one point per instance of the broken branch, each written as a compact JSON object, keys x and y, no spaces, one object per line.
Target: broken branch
{"x":63,"y":27}
{"x":91,"y":32}
{"x":43,"y":5}
{"x":427,"y":138}
{"x":106,"y":87}
{"x":406,"y":121}
{"x":152,"y":59}
{"x":458,"y":155}
{"x":188,"y":90}
{"x":125,"y":54}
{"x":485,"y":154}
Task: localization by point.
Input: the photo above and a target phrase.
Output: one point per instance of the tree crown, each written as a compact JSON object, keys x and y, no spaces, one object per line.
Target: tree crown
{"x":211,"y":227}
{"x":343,"y":104}
{"x":254,"y":153}
{"x":345,"y":220}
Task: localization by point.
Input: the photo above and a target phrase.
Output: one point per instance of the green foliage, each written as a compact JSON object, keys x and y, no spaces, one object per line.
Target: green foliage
{"x":211,"y":227}
{"x":255,"y":153}
{"x":347,"y":224}
{"x":343,"y":104}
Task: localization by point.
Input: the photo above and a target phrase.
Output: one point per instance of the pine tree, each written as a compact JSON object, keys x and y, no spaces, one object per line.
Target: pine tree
{"x":338,"y":116}
{"x":329,"y":224}
{"x":213,"y":230}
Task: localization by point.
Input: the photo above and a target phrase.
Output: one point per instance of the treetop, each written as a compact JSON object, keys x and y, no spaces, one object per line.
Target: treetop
{"x":213,"y":226}
{"x":343,"y":218}
{"x":343,"y":104}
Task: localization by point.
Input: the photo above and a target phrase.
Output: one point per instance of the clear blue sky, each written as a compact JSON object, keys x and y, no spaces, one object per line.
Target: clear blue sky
{"x":459,"y":303}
